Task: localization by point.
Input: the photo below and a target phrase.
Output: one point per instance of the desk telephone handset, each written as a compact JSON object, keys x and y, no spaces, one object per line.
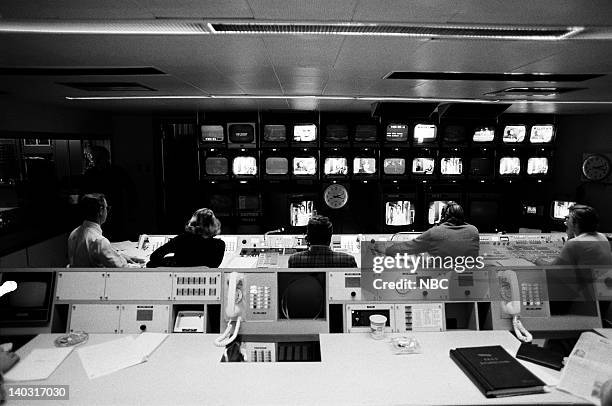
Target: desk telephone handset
{"x":511,"y":302}
{"x":233,"y":309}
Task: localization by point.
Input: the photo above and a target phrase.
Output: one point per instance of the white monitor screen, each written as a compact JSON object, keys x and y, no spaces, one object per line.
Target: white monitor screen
{"x":244,"y":165}
{"x":561,"y":209}
{"x":509,"y":165}
{"x":531,"y":210}
{"x":399,"y":213}
{"x":335,"y":166}
{"x":434,"y":215}
{"x":301,"y":212}
{"x":424,"y":132}
{"x":277,"y":166}
{"x":397,"y":132}
{"x":394,"y":166}
{"x":484,"y":134}
{"x":537,"y":166}
{"x":364,"y":166}
{"x":541,"y":134}
{"x":305,"y":132}
{"x":304,"y":165}
{"x":423,"y":166}
{"x":451,"y":166}
{"x":514,"y":133}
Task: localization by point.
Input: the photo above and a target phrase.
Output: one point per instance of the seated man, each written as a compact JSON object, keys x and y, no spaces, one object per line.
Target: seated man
{"x":319,"y":254}
{"x":87,"y":247}
{"x":586,"y":246}
{"x":453,"y":237}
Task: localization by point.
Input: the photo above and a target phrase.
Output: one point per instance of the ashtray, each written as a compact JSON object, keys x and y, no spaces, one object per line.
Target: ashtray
{"x":406,"y":345}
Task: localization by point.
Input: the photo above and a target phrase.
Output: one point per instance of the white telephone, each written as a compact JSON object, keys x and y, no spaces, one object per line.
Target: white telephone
{"x":511,"y":302}
{"x":234,"y":309}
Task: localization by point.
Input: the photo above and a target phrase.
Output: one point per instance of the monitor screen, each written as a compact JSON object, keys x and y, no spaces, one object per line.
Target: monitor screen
{"x":216,"y":166}
{"x":451,"y":166}
{"x":530,"y":209}
{"x":537,"y":166}
{"x":454,"y":133}
{"x":509,"y":165}
{"x":481,"y":166}
{"x":301,"y":212}
{"x":336,"y":133}
{"x":305,"y":165}
{"x":541,"y":134}
{"x":424,"y":132}
{"x":245,"y":166}
{"x":394,"y":166}
{"x":365,"y":132}
{"x":397,"y":132}
{"x":399,"y":213}
{"x":483,"y":214}
{"x":364,"y":166}
{"x":304,"y":132}
{"x":211,"y":133}
{"x":241,"y":133}
{"x":434,"y":214}
{"x":560,"y":209}
{"x":249,"y":203}
{"x":484,"y":134}
{"x":514,"y":133}
{"x":277,"y":166}
{"x":275,"y":133}
{"x":221,"y":204}
{"x":335,"y":166}
{"x":423,"y":166}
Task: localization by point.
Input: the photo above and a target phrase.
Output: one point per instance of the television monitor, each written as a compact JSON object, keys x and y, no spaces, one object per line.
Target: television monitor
{"x":304,"y":133}
{"x":531,"y":209}
{"x":335,"y":166}
{"x":304,"y":166}
{"x":454,"y":134}
{"x":364,"y":166}
{"x":537,"y":166}
{"x":211,"y":134}
{"x":424,"y":133}
{"x":337,"y":133}
{"x":423,"y":166}
{"x":216,"y":165}
{"x":300,"y":212}
{"x":514,"y":133}
{"x":484,"y":214}
{"x":510,"y":166}
{"x":30,"y":303}
{"x":397,"y":132}
{"x":221,"y":204}
{"x":244,"y":166}
{"x":249,"y":203}
{"x":366,"y":133}
{"x":484,"y":134}
{"x":275,"y":133}
{"x":277,"y":165}
{"x":394,"y":166}
{"x":399,"y":213}
{"x":541,"y":134}
{"x":451,"y":166}
{"x":481,"y":167}
{"x":241,"y":135}
{"x":560,"y":209}
{"x":434,"y":213}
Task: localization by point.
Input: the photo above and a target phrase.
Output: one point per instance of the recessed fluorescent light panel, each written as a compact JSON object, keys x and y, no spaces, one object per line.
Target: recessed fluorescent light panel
{"x":144,"y":27}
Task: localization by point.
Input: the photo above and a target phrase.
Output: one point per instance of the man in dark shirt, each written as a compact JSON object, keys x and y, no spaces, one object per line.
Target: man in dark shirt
{"x":319,"y":254}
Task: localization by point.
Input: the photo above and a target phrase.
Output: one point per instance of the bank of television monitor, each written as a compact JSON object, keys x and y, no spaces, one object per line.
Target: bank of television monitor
{"x":481,"y":167}
{"x":509,"y":166}
{"x":399,"y":213}
{"x":211,"y":134}
{"x":484,"y":214}
{"x":277,"y":166}
{"x":241,"y":135}
{"x":300,"y":211}
{"x":244,"y":166}
{"x":434,"y":212}
{"x":364,"y":166}
{"x":483,"y":134}
{"x":335,"y":166}
{"x":514,"y":134}
{"x":454,"y":134}
{"x":423,"y":166}
{"x":366,"y":133}
{"x":396,"y":132}
{"x":274,"y":134}
{"x":424,"y":133}
{"x":451,"y":166}
{"x":216,"y":166}
{"x":541,"y":134}
{"x":305,"y":166}
{"x":305,"y":133}
{"x":394,"y":166}
{"x":560,"y":209}
{"x":336,"y":133}
{"x":537,"y":166}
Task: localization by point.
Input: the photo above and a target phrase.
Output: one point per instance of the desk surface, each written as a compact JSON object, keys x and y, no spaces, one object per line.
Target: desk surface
{"x":355,"y":369}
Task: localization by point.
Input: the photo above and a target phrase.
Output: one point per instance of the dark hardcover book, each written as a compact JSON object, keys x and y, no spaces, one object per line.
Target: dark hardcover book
{"x":540,"y":356}
{"x":495,"y":372}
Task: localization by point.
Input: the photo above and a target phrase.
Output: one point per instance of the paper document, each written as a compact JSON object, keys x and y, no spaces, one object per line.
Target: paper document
{"x":38,"y":365}
{"x":147,"y":343}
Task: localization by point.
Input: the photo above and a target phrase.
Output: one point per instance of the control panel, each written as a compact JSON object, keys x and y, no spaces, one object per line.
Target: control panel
{"x":358,"y":317}
{"x":419,"y":317}
{"x":258,"y":352}
{"x":520,"y":249}
{"x":256,"y":296}
{"x":344,"y":286}
{"x":144,"y":318}
{"x":196,"y":286}
{"x":426,"y":285}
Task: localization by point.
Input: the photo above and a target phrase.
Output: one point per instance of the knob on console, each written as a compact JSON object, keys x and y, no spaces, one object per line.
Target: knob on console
{"x":143,"y":327}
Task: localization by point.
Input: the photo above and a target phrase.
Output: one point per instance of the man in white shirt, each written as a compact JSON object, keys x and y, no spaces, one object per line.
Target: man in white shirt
{"x":87,"y":247}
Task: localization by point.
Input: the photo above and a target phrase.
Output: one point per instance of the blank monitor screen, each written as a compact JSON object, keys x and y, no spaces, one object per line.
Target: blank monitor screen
{"x":484,"y":134}
{"x":301,"y":212}
{"x":399,"y":213}
{"x":423,"y":166}
{"x":216,"y":166}
{"x":365,"y":132}
{"x":277,"y":166}
{"x":560,"y":209}
{"x":514,"y":133}
{"x":305,"y":132}
{"x":454,"y":133}
{"x":275,"y":133}
{"x":335,"y":166}
{"x":434,"y":214}
{"x":451,"y":166}
{"x":541,"y":134}
{"x":394,"y":166}
{"x":424,"y":132}
{"x":244,"y":165}
{"x":336,"y":132}
{"x":211,"y":133}
{"x":537,"y":166}
{"x":483,"y":213}
{"x":364,"y":166}
{"x":249,"y":203}
{"x":397,"y":132}
{"x":509,"y":165}
{"x":304,"y":165}
{"x":481,"y":166}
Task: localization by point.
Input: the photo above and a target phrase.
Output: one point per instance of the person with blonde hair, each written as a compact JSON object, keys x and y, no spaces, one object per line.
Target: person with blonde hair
{"x":196,"y":246}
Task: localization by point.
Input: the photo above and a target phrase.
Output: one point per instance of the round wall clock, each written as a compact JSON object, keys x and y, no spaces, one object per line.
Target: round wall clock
{"x":596,"y":167}
{"x":335,"y":196}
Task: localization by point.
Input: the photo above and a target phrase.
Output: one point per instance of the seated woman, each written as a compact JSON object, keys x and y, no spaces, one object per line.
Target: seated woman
{"x":194,"y":247}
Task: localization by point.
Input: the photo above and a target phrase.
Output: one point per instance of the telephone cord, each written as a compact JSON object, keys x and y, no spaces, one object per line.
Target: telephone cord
{"x":520,"y":330}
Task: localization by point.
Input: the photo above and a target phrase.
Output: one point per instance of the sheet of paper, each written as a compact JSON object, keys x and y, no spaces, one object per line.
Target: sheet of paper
{"x":39,"y":364}
{"x":106,"y":358}
{"x":147,"y":343}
